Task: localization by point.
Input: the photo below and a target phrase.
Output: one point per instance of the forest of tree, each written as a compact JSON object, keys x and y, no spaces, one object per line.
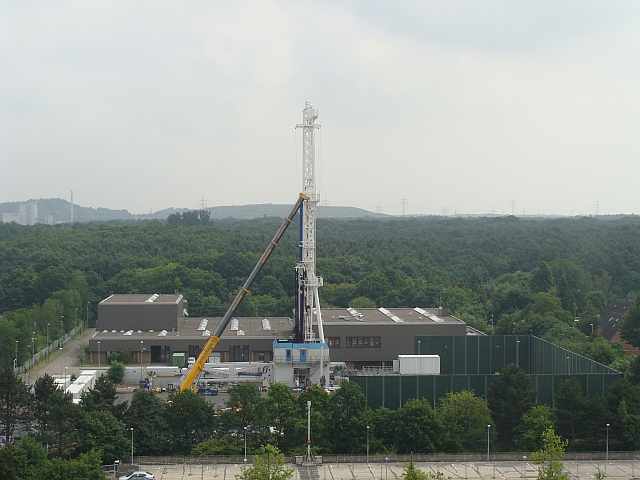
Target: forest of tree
{"x":502,"y":275}
{"x":47,"y":421}
{"x":551,"y":277}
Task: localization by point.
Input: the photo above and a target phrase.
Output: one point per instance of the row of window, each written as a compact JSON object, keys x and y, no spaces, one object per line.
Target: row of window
{"x":355,"y":342}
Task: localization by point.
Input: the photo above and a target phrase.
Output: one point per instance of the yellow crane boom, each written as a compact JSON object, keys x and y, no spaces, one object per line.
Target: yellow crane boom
{"x":198,"y":366}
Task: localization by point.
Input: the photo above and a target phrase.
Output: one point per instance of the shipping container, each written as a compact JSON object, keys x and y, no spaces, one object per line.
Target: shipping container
{"x":419,"y":364}
{"x":178,"y":360}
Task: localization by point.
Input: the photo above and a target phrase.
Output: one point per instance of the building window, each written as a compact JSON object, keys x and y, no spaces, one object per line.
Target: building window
{"x":333,"y":342}
{"x":363,"y":342}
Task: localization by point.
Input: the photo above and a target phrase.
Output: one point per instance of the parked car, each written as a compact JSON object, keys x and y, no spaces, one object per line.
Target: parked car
{"x":141,"y":474}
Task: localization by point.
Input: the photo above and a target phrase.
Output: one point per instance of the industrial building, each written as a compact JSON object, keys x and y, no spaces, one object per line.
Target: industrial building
{"x":154,"y":327}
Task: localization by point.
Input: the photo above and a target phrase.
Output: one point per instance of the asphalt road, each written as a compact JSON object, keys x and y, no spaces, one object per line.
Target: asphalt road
{"x":65,"y":360}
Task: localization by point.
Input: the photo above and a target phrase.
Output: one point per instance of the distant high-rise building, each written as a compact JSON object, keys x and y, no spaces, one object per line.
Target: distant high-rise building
{"x":28,"y":214}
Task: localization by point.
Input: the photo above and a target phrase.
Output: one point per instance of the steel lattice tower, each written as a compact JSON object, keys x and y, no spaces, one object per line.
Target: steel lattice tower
{"x":307,"y":266}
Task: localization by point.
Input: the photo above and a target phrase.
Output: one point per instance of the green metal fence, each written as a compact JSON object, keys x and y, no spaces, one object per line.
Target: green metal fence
{"x":474,"y":362}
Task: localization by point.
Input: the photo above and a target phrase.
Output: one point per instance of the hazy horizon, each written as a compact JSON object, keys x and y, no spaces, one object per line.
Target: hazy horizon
{"x":457,"y":107}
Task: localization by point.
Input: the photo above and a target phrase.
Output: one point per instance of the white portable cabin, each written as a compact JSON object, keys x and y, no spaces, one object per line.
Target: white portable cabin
{"x":417,"y":365}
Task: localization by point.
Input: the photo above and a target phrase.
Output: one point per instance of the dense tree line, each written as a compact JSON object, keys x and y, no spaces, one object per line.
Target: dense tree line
{"x":53,"y":429}
{"x":498,"y":274}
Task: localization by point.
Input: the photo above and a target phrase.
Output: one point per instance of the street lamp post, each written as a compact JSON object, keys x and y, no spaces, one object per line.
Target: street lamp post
{"x":518,"y":352}
{"x":419,"y":347}
{"x":87,"y":322}
{"x":141,"y":350}
{"x":592,"y":329}
{"x":367,"y":444}
{"x":488,"y":427}
{"x":15,"y":360}
{"x":47,"y":341}
{"x":33,"y":355}
{"x":98,"y":358}
{"x":386,"y":472}
{"x":524,"y":466}
{"x":492,"y":324}
{"x":245,"y":444}
{"x":61,"y":332}
{"x":75,"y":318}
{"x":606,"y":457}
{"x":131,"y":445}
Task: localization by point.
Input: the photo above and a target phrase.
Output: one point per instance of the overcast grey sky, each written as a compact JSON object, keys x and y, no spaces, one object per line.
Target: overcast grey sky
{"x":457,"y":106}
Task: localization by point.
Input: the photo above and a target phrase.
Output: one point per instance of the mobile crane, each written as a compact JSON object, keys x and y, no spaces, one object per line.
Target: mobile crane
{"x":189,"y":380}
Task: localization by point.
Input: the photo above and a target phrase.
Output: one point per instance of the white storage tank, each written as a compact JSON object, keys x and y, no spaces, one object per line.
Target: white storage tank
{"x":419,"y":364}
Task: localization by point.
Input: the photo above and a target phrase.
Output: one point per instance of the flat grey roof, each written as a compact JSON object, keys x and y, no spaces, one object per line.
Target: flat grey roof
{"x":386,"y":316}
{"x":189,"y":328}
{"x":143,"y":298}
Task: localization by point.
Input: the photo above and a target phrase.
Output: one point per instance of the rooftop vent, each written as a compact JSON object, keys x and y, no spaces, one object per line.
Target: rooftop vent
{"x":152,"y":298}
{"x":266,"y":325}
{"x":392,"y":316}
{"x":163,"y":333}
{"x":203,"y":324}
{"x":234,"y":324}
{"x":240,"y":332}
{"x":206,"y":333}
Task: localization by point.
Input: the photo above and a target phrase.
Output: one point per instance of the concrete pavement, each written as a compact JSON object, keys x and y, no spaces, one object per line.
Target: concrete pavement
{"x":618,"y":469}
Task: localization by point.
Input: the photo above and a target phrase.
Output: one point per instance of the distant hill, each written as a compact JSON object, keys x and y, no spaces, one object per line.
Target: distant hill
{"x":57,"y":210}
{"x":279,"y":210}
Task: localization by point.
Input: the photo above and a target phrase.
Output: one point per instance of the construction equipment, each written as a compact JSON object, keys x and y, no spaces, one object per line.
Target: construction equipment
{"x":197,"y":368}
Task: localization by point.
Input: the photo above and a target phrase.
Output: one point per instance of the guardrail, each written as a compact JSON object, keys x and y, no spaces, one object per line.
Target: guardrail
{"x":416,"y":457}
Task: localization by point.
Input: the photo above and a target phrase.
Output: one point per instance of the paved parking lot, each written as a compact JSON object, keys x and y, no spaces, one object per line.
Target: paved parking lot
{"x":620,"y":469}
